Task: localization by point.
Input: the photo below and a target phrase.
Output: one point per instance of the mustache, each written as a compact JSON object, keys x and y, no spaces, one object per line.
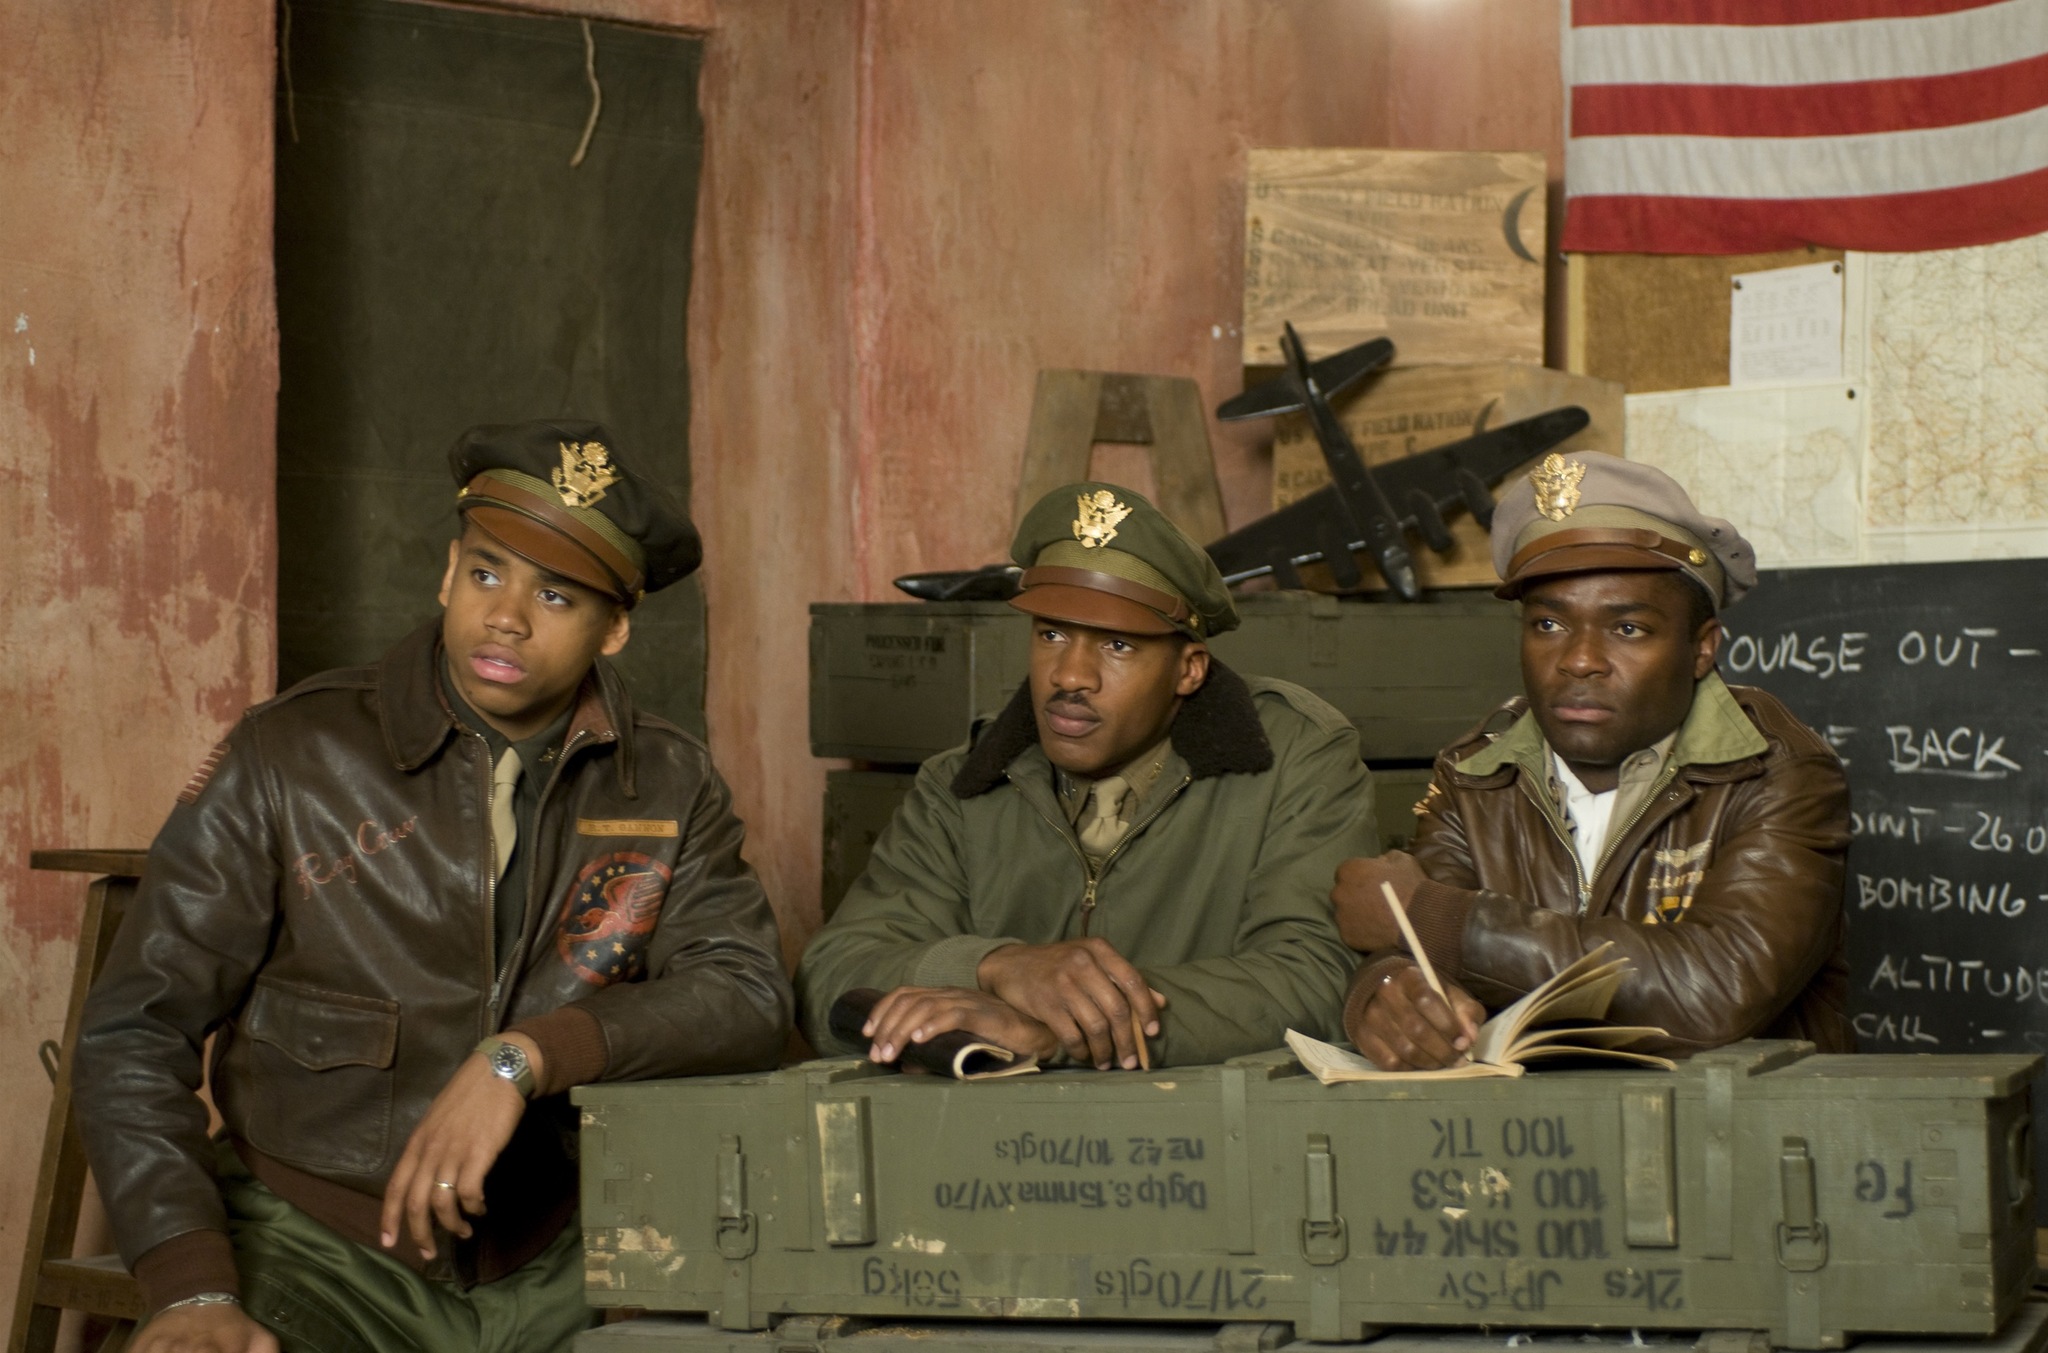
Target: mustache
{"x":1069,"y":699}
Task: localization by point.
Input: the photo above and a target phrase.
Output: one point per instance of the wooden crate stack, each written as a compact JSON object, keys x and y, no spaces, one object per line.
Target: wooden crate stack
{"x":1442,"y":251}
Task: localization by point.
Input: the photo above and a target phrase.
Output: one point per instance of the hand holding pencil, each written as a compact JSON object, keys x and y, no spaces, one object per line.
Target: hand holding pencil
{"x":1413,"y":1019}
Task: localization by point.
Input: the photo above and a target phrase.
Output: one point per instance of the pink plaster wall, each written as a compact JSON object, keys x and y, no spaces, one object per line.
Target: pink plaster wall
{"x":908,"y":209}
{"x":1485,"y":75}
{"x":775,"y":407}
{"x":138,"y":375}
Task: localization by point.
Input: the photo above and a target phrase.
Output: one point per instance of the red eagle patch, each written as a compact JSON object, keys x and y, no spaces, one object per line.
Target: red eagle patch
{"x":611,"y":913}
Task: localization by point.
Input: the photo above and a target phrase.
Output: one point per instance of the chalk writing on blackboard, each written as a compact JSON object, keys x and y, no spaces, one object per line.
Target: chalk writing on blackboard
{"x":1929,"y":682}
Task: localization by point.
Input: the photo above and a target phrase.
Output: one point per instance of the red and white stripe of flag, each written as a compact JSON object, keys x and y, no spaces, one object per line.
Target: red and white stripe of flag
{"x":1739,"y":126}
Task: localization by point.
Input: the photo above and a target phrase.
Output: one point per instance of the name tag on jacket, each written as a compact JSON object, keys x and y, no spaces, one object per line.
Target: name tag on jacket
{"x":626,"y":826}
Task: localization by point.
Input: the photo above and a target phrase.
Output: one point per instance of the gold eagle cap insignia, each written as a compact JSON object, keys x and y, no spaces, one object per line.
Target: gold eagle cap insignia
{"x":1556,"y":482}
{"x":1100,"y":512}
{"x":586,"y":472}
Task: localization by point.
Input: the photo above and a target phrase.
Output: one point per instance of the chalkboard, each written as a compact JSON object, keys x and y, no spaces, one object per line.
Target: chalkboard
{"x":1931,"y":681}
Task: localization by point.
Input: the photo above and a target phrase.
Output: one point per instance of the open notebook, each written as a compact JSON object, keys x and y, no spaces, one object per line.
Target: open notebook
{"x":1557,"y":1019}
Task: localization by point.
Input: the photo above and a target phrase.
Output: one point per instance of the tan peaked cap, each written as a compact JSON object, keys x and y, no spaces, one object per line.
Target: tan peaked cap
{"x":1589,"y":512}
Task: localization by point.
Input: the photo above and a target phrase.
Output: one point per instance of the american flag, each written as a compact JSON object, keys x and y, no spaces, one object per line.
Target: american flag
{"x":1740,"y":126}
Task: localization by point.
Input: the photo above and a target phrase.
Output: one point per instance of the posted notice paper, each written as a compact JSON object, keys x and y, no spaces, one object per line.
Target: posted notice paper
{"x":1785,"y":325}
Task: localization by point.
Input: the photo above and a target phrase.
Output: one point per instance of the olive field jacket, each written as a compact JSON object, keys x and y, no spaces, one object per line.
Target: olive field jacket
{"x":1219,"y":894}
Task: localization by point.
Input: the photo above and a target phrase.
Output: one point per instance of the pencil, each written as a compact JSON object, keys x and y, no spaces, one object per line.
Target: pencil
{"x":1414,"y":945}
{"x":1144,"y":1053}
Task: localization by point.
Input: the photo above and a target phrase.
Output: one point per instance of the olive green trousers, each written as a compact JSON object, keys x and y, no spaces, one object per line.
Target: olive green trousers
{"x":320,"y":1293}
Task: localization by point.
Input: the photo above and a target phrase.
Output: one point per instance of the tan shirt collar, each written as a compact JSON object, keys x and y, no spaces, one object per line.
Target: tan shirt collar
{"x":1142,"y":773}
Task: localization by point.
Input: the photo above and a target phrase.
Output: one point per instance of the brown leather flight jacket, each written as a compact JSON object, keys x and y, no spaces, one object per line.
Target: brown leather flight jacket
{"x":1725,"y":892}
{"x":321,"y":899}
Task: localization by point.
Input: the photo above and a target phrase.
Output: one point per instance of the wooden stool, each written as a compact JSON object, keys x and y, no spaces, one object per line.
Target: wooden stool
{"x":1073,"y":410}
{"x":53,"y":1282}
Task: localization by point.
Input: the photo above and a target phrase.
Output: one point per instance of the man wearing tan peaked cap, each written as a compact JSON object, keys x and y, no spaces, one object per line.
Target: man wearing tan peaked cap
{"x":1629,"y":796}
{"x":1134,"y":857}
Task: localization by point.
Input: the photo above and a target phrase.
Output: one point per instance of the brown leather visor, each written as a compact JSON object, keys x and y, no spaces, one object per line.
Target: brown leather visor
{"x":1087,"y":606}
{"x":544,"y":533}
{"x":1593,"y":550}
{"x":546,"y":548}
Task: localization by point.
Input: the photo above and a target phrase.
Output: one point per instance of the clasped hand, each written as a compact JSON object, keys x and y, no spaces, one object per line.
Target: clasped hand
{"x":1077,"y":996}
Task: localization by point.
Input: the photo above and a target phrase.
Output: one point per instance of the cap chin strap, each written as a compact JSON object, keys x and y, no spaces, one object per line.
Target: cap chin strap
{"x":1173,"y":608}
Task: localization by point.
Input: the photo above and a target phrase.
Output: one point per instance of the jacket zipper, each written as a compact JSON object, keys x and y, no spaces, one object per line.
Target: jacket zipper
{"x":1614,"y":838}
{"x":490,"y":855}
{"x":1548,"y":812}
{"x":1094,"y":872}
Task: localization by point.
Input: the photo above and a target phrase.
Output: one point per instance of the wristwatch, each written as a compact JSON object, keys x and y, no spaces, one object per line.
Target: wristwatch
{"x":508,"y":1062}
{"x":203,"y":1299}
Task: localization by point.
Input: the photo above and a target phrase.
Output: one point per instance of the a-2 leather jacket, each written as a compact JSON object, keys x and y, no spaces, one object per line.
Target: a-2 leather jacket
{"x":320,"y":899}
{"x":1725,"y":892}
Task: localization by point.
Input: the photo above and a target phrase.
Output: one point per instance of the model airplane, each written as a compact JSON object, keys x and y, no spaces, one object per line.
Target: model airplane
{"x":1371,"y":508}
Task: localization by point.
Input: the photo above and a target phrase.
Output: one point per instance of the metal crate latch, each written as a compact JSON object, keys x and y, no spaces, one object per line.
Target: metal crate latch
{"x":1802,"y":1236}
{"x":1322,"y":1231}
{"x":736,"y":1235}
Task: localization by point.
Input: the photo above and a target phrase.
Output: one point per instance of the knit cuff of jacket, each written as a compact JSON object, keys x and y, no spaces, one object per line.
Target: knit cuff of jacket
{"x":572,"y":1048}
{"x":186,"y":1265}
{"x":956,"y":962}
{"x":1366,"y":984}
{"x":1438,"y":912}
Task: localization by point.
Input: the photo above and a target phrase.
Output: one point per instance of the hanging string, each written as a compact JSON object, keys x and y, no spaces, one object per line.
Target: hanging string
{"x":596,"y":95}
{"x":291,"y":101}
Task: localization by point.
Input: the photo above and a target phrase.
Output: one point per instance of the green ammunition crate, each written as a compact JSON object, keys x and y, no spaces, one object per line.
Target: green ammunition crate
{"x":858,"y":805}
{"x":899,"y":682}
{"x":1756,"y":1188}
{"x":2026,"y":1332}
{"x":903,"y":681}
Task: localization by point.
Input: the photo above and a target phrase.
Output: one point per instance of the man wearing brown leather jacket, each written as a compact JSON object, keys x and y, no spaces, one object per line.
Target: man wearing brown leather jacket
{"x":1630,"y":796}
{"x":413,"y":903}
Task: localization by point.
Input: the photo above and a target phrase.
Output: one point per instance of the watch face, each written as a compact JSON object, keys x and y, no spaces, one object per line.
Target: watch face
{"x":508,"y":1060}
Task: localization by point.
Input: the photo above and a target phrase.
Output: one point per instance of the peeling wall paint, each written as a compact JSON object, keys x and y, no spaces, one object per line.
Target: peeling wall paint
{"x":137,"y":383}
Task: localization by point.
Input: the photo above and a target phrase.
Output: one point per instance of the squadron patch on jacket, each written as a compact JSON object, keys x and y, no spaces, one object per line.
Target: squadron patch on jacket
{"x":1674,"y":877}
{"x":611,"y":914}
{"x":196,"y":786}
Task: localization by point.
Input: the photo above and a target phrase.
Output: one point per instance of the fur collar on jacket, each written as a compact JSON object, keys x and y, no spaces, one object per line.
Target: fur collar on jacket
{"x":1216,"y":731}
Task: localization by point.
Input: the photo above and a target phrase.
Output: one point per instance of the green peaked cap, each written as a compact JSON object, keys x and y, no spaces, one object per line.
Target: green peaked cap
{"x":1104,"y":538}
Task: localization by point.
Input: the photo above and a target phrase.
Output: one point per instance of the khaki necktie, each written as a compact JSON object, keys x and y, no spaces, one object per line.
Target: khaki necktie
{"x":504,"y":822}
{"x":1104,"y":828}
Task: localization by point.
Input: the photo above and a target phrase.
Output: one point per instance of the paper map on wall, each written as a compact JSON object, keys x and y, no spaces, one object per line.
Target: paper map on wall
{"x":1781,"y":462}
{"x":1955,"y":347}
{"x":1942,"y":453}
